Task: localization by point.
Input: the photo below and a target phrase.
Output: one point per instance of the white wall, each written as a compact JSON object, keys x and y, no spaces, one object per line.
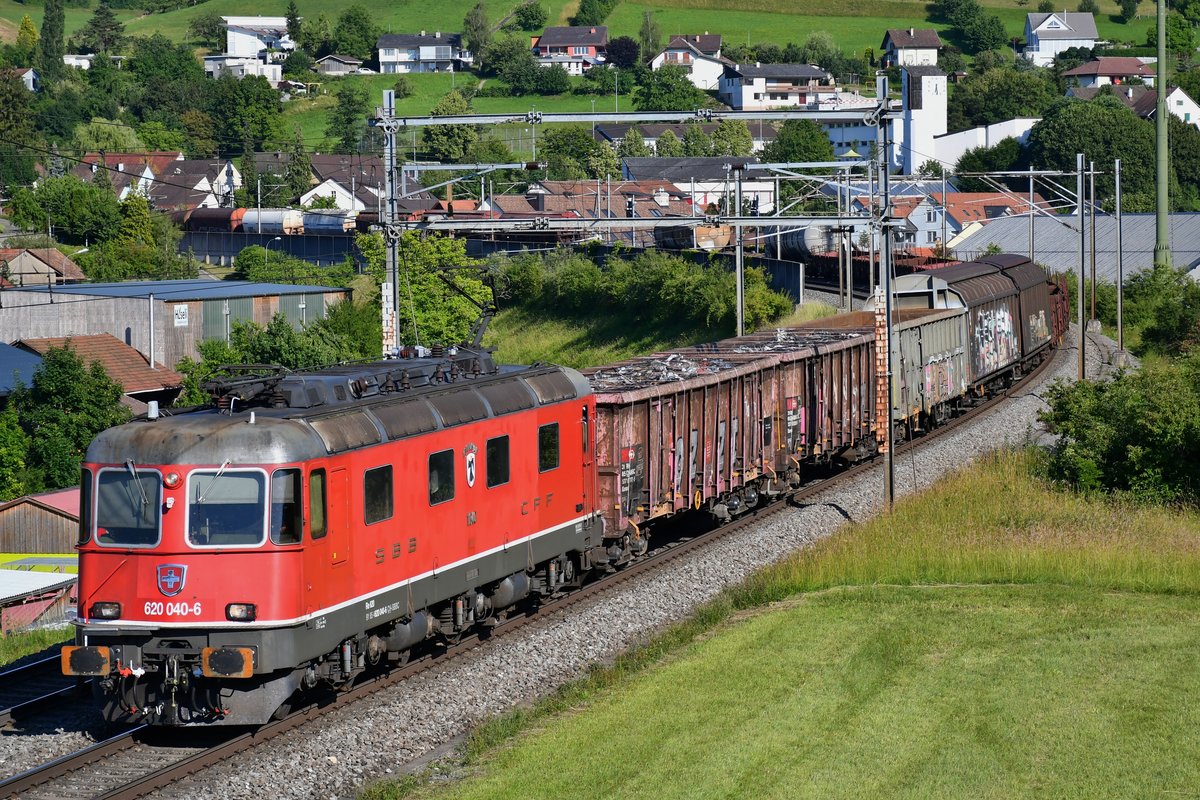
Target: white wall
{"x":951,"y":146}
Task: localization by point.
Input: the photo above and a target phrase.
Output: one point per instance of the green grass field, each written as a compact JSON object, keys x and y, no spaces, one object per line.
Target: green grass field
{"x":991,"y":638}
{"x":19,"y":645}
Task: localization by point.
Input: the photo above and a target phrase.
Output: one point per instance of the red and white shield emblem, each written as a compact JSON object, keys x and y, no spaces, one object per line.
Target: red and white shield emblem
{"x":171,"y":578}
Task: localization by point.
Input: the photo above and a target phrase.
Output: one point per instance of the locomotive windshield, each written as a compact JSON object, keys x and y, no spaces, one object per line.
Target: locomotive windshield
{"x":226,"y":508}
{"x":127,"y":507}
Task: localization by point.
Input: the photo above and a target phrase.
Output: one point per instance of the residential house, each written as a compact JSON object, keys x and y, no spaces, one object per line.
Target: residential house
{"x":1047,"y":35}
{"x":1143,"y":101}
{"x":242,"y":67}
{"x":646,"y":199}
{"x":575,"y":48}
{"x":250,"y":36}
{"x":948,"y":148}
{"x":939,"y":217}
{"x":707,"y":181}
{"x":84,"y":60}
{"x":758,"y":87}
{"x":41,"y":266}
{"x":911,"y":47}
{"x":39,"y":523}
{"x":338,"y":65}
{"x":1110,"y":70}
{"x":140,"y":381}
{"x":698,"y":54}
{"x":127,"y":172}
{"x":29,"y":77}
{"x":761,"y":133}
{"x":185,"y":184}
{"x":421,"y":52}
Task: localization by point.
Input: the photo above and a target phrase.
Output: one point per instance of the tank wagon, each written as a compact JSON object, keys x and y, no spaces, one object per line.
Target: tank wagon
{"x":313,"y":526}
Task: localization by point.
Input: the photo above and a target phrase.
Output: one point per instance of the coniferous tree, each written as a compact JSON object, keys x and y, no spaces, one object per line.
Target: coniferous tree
{"x":293,"y":21}
{"x":477,"y":31}
{"x":298,"y":178}
{"x":27,"y":40}
{"x":50,"y":45}
{"x":103,"y":33}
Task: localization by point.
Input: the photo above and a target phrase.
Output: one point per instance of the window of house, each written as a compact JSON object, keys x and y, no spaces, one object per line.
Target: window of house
{"x":548,"y":447}
{"x":497,"y":461}
{"x":377,"y":494}
{"x":441,"y":477}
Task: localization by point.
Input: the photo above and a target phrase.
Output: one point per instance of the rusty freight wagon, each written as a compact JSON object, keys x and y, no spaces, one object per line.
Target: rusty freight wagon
{"x":716,"y":426}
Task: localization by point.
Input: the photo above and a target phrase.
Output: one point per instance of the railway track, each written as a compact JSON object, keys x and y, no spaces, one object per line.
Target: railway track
{"x":31,"y":688}
{"x":141,"y":760}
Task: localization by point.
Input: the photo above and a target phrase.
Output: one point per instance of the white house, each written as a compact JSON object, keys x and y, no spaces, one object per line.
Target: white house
{"x":84,"y":60}
{"x":29,"y":76}
{"x":698,"y":54}
{"x":912,"y":47}
{"x":949,"y":147}
{"x":421,"y":52}
{"x":242,"y":66}
{"x":1143,"y":101}
{"x":1047,"y":35}
{"x":759,"y":87}
{"x":1110,"y":70}
{"x":249,"y":36}
{"x":705,"y":180}
{"x":951,"y":213}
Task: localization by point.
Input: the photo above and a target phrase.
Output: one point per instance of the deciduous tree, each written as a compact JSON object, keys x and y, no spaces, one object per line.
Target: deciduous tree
{"x":356,"y":33}
{"x":799,"y":140}
{"x":667,"y":89}
{"x":347,"y":117}
{"x":477,"y":31}
{"x":668,"y":145}
{"x":531,"y":16}
{"x":623,"y":52}
{"x":448,"y":143}
{"x":732,"y":138}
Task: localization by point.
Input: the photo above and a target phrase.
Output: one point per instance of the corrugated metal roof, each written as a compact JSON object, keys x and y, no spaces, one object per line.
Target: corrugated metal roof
{"x":16,"y":363}
{"x":17,"y":584}
{"x":1056,"y":242}
{"x":197,"y":289}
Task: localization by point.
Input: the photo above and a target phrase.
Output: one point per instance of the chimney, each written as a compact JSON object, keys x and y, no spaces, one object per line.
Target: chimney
{"x":661,"y":197}
{"x":758,"y":63}
{"x":120,"y":166}
{"x":437,"y":34}
{"x":422,"y":33}
{"x":912,"y":31}
{"x":593,"y":30}
{"x":1129,"y":92}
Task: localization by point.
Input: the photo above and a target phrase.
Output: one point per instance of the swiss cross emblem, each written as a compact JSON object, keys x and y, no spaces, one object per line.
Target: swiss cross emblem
{"x":171,"y":578}
{"x":469,"y":456}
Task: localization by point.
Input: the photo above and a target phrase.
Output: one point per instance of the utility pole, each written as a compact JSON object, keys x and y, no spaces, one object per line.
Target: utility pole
{"x":1092,"y":219}
{"x":1082,"y":264}
{"x":885,"y":281}
{"x":739,"y":252}
{"x":1031,"y":213}
{"x":1162,"y":243}
{"x":391,"y":289}
{"x":1120,"y":261}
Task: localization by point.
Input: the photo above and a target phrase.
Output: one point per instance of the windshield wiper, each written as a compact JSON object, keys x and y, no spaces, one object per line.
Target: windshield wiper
{"x":133,"y":471}
{"x":200,"y":498}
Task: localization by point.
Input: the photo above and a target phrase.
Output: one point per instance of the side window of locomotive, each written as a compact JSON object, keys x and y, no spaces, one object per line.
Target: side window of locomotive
{"x":586,"y":430}
{"x":497,"y":461}
{"x":128,"y":503}
{"x":85,"y":506}
{"x":548,"y":447}
{"x":377,"y":494}
{"x":287,"y":510}
{"x":226,"y":508}
{"x":316,"y":503}
{"x":441,"y":477}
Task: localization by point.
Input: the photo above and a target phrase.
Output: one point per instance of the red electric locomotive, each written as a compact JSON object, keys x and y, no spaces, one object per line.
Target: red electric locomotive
{"x":315,"y":524}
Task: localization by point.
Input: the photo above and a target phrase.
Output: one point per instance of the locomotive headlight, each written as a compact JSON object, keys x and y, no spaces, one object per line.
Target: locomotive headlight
{"x":106,"y":610}
{"x":171,"y":480}
{"x":241,"y":612}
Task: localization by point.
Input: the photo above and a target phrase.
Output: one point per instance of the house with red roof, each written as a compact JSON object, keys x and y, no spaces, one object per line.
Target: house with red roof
{"x":1110,"y":70}
{"x":37,"y":266}
{"x":140,"y":381}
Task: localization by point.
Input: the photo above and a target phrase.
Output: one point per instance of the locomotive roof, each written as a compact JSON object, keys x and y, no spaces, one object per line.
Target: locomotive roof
{"x":366,"y":411}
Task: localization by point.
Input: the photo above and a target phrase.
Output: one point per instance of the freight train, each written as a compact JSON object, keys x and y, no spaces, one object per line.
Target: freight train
{"x":313,"y":526}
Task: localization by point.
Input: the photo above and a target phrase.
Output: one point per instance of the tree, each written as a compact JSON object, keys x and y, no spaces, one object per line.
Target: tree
{"x":820,"y":49}
{"x":1181,"y":35}
{"x":247,"y":195}
{"x":732,"y":138}
{"x":590,"y":12}
{"x":667,"y":89}
{"x":16,"y":132}
{"x":61,"y":412}
{"x":1046,"y":6}
{"x":633,"y":144}
{"x":568,"y":151}
{"x":603,"y":163}
{"x":696,"y":142}
{"x":136,"y":227}
{"x":1129,"y":10}
{"x":477,"y":31}
{"x":649,"y":39}
{"x":50,"y":52}
{"x":799,"y":140}
{"x":449,"y":143}
{"x":208,"y":29}
{"x":1088,"y":7}
{"x":26,"y":44}
{"x":1004,"y":156}
{"x":200,"y":134}
{"x":932,"y":168}
{"x":248,"y":108}
{"x":623,"y":52}
{"x":1000,"y":94}
{"x":355,"y":33}
{"x":439,"y":314}
{"x":984,"y":32}
{"x":80,"y":211}
{"x":107,"y":135}
{"x":298,"y":176}
{"x":293,"y":21}
{"x":316,"y":35}
{"x":668,"y":145}
{"x":531,"y":16}
{"x":14,"y":446}
{"x":157,"y":136}
{"x":1102,"y":129}
{"x":402,"y":87}
{"x":347,"y":118}
{"x":103,"y":33}
{"x":298,"y":65}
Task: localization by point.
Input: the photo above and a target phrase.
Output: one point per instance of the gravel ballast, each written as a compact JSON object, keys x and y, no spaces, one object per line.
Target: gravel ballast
{"x":384,"y":735}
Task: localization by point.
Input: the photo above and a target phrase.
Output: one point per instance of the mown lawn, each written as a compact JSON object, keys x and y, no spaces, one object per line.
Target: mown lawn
{"x":991,"y":638}
{"x":19,"y":645}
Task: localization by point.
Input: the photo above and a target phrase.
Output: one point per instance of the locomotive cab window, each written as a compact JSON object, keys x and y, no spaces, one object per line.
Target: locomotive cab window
{"x":548,"y":447}
{"x":316,"y":503}
{"x":497,"y":461}
{"x":441,"y":477}
{"x":287,"y":512}
{"x":377,"y":494}
{"x":128,"y":502}
{"x":85,"y":506}
{"x":226,"y":508}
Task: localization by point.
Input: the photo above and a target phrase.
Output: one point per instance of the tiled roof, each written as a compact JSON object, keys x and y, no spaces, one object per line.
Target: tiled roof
{"x":1142,"y":100}
{"x":911,"y":37}
{"x":123,"y":364}
{"x":65,"y":267}
{"x":512,"y":204}
{"x":967,"y":207}
{"x":1114,"y":67}
{"x":707,"y":43}
{"x":565,"y":36}
{"x":419,"y":39}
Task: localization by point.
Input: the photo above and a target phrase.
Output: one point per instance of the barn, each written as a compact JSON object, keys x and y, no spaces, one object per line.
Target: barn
{"x":41,"y":523}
